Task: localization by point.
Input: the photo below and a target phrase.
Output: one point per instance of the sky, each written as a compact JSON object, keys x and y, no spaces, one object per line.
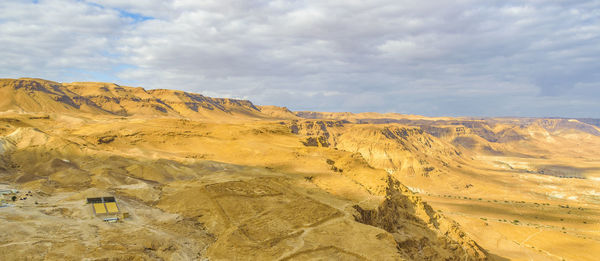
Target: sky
{"x":437,"y":58}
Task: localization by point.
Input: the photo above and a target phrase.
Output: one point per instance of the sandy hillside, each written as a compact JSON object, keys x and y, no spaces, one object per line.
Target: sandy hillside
{"x":223,"y":179}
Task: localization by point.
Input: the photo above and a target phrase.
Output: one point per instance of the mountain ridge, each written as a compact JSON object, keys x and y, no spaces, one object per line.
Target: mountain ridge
{"x":40,"y":95}
{"x":37,"y":95}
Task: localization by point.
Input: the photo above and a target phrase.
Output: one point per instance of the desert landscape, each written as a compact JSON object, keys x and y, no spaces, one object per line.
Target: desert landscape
{"x":201,"y":178}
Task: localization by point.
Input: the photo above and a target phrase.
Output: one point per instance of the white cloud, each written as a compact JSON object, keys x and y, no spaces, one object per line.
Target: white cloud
{"x":51,"y":37}
{"x":492,"y":57}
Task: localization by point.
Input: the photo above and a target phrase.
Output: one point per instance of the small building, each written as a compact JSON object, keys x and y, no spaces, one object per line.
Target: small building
{"x":105,"y":207}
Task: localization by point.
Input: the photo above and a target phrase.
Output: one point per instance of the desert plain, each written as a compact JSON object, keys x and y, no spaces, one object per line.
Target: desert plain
{"x":200,"y":178}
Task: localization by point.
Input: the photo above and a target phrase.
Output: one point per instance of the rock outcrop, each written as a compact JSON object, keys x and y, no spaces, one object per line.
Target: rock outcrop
{"x":420,"y":232}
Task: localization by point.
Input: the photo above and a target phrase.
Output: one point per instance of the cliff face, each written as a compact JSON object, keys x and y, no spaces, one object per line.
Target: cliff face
{"x":35,"y":95}
{"x":420,"y":233}
{"x":401,"y":150}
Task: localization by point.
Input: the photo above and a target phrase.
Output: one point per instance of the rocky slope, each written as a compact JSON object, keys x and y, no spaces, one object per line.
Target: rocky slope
{"x":185,"y":208}
{"x":196,"y":185}
{"x":35,"y":95}
{"x":404,"y":215}
{"x":397,"y":149}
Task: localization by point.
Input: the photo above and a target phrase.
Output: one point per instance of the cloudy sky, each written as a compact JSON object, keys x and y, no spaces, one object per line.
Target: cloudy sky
{"x":478,"y":58}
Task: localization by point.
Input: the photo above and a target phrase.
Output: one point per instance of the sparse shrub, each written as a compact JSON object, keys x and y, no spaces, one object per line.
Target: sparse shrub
{"x":334,"y":168}
{"x":311,"y":142}
{"x":330,"y":161}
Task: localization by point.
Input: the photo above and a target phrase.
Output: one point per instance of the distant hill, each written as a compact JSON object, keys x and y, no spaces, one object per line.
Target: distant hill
{"x":595,"y":122}
{"x":37,"y":95}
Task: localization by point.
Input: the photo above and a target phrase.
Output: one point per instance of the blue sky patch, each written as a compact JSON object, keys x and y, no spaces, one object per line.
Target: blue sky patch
{"x":134,"y":16}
